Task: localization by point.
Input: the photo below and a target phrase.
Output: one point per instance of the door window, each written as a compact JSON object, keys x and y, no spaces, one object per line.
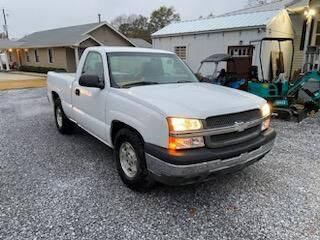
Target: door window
{"x":93,"y":65}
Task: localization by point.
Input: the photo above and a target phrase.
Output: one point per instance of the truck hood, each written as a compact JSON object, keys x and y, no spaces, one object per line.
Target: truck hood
{"x":194,"y":100}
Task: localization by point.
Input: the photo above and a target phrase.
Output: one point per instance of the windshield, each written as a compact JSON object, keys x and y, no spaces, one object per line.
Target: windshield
{"x":137,"y":69}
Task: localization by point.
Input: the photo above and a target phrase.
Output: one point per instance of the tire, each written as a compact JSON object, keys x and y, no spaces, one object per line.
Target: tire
{"x":64,"y":125}
{"x":129,"y":147}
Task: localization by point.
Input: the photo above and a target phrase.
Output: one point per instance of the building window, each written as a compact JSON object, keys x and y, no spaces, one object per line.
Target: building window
{"x":50,"y":55}
{"x":36,"y":55}
{"x":27,"y":56}
{"x":240,"y":51}
{"x":318,"y":35}
{"x":181,"y":52}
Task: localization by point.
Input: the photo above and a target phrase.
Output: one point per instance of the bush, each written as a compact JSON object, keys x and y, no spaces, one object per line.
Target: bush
{"x":40,"y":69}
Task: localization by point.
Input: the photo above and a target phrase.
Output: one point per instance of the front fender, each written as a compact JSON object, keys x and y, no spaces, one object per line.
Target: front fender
{"x":151,"y":125}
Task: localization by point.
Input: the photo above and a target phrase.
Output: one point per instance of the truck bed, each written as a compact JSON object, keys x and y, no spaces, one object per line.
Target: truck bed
{"x":61,"y":83}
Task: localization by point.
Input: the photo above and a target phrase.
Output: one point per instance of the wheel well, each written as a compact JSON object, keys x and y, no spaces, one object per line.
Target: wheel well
{"x":55,"y":96}
{"x":116,"y":126}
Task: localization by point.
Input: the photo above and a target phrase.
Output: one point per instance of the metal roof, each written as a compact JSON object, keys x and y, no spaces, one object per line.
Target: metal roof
{"x":219,"y":57}
{"x":271,"y":6}
{"x":220,"y":23}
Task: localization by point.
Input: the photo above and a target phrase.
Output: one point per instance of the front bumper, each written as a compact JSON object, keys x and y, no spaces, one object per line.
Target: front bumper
{"x":186,"y":167}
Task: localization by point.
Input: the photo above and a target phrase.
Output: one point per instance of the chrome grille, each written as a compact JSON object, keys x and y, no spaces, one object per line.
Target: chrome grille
{"x":234,"y":135}
{"x":222,"y":140}
{"x":231,"y":119}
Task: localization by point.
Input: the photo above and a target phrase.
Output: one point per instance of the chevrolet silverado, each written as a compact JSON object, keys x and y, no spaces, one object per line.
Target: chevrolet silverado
{"x":163,"y":124}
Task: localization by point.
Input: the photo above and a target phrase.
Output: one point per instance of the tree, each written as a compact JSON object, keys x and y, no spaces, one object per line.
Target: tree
{"x":162,"y":17}
{"x":138,"y":28}
{"x":123,"y":19}
{"x":125,"y":29}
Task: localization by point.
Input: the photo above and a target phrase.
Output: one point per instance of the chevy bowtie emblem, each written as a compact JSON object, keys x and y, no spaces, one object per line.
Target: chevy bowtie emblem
{"x":241,"y":126}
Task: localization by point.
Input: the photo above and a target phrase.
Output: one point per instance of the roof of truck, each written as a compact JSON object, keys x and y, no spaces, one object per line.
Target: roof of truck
{"x":128,"y":49}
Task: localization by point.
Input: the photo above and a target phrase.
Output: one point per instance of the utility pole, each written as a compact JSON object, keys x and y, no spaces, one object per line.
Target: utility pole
{"x":5,"y":26}
{"x":99,"y":17}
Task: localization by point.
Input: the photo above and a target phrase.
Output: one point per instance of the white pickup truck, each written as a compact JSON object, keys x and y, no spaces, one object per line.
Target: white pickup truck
{"x":163,"y":124}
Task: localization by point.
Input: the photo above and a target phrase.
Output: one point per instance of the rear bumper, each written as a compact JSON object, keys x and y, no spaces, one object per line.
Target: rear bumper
{"x":187,"y":170}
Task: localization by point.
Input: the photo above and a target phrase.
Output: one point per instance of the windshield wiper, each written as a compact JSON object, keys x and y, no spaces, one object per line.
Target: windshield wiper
{"x":139,"y":84}
{"x":180,"y":82}
{"x":185,"y":81}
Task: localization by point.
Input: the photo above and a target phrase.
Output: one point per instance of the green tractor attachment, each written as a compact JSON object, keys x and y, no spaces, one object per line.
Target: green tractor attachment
{"x":282,"y":93}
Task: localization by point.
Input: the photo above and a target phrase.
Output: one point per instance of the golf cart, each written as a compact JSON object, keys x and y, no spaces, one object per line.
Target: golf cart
{"x":212,"y":71}
{"x":281,"y":92}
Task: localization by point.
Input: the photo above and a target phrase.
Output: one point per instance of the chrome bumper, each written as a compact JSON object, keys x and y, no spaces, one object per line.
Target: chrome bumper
{"x":161,"y":169}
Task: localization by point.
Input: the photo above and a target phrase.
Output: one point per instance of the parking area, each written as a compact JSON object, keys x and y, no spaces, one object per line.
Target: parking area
{"x":9,"y":81}
{"x":66,"y":187}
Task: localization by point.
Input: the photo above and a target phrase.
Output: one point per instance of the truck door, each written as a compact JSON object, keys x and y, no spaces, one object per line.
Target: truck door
{"x":89,"y":104}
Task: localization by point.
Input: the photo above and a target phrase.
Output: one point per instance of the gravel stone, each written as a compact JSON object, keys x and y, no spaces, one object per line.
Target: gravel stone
{"x":66,"y":187}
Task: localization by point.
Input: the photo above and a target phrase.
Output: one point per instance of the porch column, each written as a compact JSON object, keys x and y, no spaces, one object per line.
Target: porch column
{"x":1,"y":64}
{"x":7,"y":61}
{"x":76,"y":54}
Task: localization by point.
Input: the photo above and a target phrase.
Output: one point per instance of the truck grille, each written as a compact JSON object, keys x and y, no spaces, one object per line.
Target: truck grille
{"x":222,"y":140}
{"x":229,"y":120}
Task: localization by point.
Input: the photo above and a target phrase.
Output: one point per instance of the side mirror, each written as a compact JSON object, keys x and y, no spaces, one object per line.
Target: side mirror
{"x":199,"y":76}
{"x":92,"y":81}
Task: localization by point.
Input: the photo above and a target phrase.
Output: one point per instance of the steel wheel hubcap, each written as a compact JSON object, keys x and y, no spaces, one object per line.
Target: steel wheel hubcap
{"x":59,"y":117}
{"x":128,"y":159}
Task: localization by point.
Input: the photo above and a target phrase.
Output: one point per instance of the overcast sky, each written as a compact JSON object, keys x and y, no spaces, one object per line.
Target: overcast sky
{"x":33,"y":15}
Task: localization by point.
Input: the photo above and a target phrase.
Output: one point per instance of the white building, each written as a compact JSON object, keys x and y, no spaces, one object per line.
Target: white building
{"x":235,"y":32}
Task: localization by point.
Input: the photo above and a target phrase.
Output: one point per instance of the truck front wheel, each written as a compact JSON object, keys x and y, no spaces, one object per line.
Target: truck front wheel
{"x":130,"y":160}
{"x":64,"y":125}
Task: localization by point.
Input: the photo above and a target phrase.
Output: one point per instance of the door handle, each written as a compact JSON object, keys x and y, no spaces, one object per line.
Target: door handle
{"x":77,"y":92}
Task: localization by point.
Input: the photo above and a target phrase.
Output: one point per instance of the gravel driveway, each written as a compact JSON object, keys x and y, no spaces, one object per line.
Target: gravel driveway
{"x":66,"y":187}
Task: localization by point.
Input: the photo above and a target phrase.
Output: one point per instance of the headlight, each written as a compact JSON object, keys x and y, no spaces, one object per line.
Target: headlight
{"x":180,"y":125}
{"x":266,"y":110}
{"x":183,"y":124}
{"x":185,"y":143}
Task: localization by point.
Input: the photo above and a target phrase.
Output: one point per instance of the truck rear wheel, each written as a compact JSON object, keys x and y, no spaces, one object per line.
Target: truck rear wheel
{"x":130,"y":160}
{"x":64,"y":125}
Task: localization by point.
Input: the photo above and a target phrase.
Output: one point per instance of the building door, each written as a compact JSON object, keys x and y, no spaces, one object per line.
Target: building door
{"x":242,"y":56}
